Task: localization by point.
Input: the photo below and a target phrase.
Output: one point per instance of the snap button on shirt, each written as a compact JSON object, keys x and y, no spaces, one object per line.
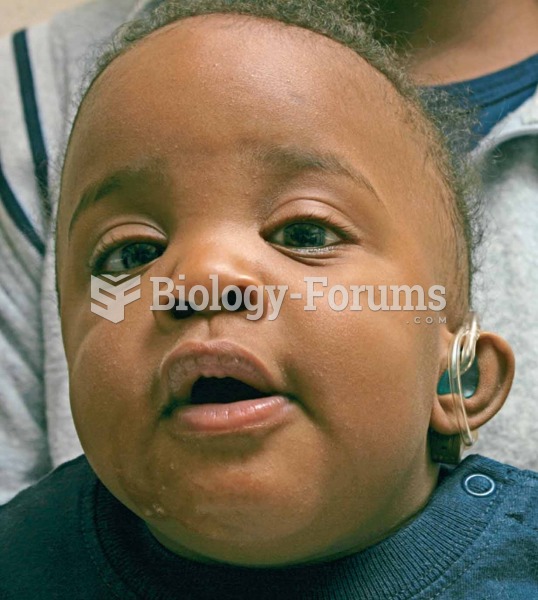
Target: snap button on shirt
{"x":479,"y":485}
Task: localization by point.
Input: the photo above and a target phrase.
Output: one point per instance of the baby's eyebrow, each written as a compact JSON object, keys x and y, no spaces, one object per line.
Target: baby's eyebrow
{"x":116,"y":180}
{"x":291,"y":160}
{"x":288,"y":161}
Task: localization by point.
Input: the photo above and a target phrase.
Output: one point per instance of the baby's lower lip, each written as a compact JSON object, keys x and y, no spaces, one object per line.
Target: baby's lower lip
{"x":239,"y":417}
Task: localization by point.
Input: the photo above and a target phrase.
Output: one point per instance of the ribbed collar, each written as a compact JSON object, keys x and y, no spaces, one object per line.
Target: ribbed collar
{"x":137,"y":566}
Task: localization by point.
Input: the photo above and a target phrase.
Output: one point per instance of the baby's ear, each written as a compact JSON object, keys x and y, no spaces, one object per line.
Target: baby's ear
{"x":496,"y":367}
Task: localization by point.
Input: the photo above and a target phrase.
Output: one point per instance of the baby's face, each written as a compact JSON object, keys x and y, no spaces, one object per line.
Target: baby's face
{"x":233,"y":149}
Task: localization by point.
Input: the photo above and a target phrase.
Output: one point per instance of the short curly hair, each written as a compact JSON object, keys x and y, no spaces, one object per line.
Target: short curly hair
{"x":352,"y":24}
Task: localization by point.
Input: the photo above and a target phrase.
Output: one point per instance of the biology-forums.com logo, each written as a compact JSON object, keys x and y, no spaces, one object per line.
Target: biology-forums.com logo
{"x":111,"y":294}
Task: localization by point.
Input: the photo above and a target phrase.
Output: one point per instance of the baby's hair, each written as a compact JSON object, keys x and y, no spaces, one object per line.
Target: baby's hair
{"x":350,"y":24}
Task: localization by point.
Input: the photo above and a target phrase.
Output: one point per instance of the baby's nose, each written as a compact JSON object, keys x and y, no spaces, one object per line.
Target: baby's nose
{"x":212,"y":280}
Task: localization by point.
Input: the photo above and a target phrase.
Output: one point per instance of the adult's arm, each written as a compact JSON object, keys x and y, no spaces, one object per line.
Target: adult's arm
{"x":41,"y":69}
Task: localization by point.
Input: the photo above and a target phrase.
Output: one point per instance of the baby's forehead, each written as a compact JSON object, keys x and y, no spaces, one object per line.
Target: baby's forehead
{"x":226,"y":48}
{"x":254,"y":67}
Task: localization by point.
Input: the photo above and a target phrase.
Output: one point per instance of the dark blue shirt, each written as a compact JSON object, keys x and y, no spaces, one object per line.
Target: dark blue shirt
{"x":68,"y":538}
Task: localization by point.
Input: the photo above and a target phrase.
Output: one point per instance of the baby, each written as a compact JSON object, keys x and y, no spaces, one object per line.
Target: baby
{"x":233,"y":147}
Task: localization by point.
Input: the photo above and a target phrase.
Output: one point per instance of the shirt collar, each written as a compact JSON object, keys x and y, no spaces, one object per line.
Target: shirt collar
{"x":523,"y":121}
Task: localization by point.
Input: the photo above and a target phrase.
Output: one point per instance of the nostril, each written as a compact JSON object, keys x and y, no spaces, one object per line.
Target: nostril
{"x":233,"y":300}
{"x":182,"y":309}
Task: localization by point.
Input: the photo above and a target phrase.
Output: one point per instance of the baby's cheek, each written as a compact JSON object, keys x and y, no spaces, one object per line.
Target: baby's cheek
{"x":360,"y":373}
{"x":110,"y":387}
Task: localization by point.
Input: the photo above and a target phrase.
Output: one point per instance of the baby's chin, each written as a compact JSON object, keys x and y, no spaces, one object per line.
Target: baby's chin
{"x":239,"y":523}
{"x":259,"y":540}
{"x":255,"y":517}
{"x":261,"y":524}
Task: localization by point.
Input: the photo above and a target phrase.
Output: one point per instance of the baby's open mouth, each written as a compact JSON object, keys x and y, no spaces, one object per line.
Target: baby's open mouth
{"x":217,"y":373}
{"x":217,"y":388}
{"x":222,"y":390}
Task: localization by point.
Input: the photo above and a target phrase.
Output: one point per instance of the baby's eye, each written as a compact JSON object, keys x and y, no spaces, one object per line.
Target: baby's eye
{"x":305,"y":235}
{"x":128,"y":257}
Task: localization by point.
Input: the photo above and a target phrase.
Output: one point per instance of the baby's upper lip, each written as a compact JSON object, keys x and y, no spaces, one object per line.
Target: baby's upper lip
{"x":216,"y":358}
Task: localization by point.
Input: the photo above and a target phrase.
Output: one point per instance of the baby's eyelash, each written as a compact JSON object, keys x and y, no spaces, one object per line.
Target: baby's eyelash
{"x":346,"y":232}
{"x":312,"y":217}
{"x":104,"y":249}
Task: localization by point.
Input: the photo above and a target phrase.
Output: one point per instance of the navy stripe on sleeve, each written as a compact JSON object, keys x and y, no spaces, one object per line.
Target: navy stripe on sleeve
{"x":18,"y":215}
{"x":31,"y":114}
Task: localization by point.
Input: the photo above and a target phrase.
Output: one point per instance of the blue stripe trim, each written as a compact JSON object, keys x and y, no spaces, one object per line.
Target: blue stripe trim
{"x":31,"y":114}
{"x":18,"y":215}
